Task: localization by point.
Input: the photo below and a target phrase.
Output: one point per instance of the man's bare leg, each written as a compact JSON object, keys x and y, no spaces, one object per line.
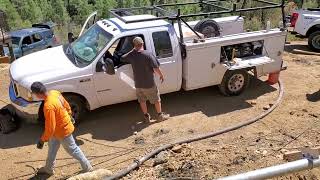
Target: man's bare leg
{"x":161,"y":115}
{"x":144,"y":109}
{"x":158,"y":106}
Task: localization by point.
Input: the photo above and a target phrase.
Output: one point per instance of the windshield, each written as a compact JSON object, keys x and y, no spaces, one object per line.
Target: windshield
{"x":15,"y":41}
{"x":87,"y":47}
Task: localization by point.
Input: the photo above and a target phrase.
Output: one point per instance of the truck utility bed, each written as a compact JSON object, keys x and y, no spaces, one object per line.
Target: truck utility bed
{"x":203,"y":65}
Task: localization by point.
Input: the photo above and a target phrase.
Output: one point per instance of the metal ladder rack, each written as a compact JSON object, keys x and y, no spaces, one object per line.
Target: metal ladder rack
{"x":163,"y":14}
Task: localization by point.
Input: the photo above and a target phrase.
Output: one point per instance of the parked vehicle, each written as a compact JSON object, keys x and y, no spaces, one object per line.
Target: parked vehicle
{"x":90,"y":74}
{"x":5,"y":40}
{"x":306,"y":22}
{"x":39,"y":37}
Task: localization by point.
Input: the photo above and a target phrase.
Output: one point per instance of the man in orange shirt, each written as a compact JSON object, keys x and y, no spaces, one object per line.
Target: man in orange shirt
{"x":58,"y":128}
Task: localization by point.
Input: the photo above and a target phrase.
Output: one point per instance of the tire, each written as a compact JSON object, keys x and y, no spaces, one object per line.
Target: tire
{"x":7,"y":124}
{"x":234,"y":82}
{"x":77,"y":106}
{"x":314,"y":41}
{"x":208,"y":27}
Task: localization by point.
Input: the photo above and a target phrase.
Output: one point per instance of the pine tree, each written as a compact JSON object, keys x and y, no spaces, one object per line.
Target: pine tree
{"x":60,"y":14}
{"x":14,"y":20}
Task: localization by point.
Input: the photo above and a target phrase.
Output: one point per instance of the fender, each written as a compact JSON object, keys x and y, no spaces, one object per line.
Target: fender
{"x":314,"y":24}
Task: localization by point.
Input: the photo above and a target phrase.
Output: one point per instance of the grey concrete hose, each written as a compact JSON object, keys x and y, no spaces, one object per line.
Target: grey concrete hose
{"x":140,"y":161}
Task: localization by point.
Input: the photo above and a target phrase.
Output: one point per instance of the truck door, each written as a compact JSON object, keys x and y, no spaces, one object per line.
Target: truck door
{"x":89,"y":22}
{"x":165,"y":47}
{"x":112,"y":89}
{"x":38,"y":42}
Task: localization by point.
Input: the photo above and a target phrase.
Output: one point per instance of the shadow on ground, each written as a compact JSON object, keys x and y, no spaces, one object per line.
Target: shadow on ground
{"x":314,"y":97}
{"x":302,"y":47}
{"x":119,"y":121}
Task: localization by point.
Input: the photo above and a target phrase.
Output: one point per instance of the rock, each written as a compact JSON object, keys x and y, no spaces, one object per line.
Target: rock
{"x":186,"y":166}
{"x":171,"y":167}
{"x":191,"y":131}
{"x":135,"y":133}
{"x":139,"y":140}
{"x":214,"y":141}
{"x":161,"y":158}
{"x":238,"y":160}
{"x":177,"y":149}
{"x":292,"y":156}
{"x":291,"y":113}
{"x":266,"y":107}
{"x":304,"y":110}
{"x":314,"y":115}
{"x":264,"y":152}
{"x":160,"y":132}
{"x":283,"y":151}
{"x":253,"y":157}
{"x":94,"y":175}
{"x":253,"y":102}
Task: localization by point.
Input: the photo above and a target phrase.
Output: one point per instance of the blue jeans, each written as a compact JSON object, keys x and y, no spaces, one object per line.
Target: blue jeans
{"x":71,"y":147}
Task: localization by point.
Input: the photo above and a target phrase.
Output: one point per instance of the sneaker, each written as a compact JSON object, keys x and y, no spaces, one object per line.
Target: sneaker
{"x":90,"y":169}
{"x":45,"y":170}
{"x":147,"y":117}
{"x":163,"y":116}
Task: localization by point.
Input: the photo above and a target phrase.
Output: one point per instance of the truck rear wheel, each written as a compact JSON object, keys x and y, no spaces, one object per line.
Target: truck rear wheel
{"x":314,"y":41}
{"x":234,"y":82}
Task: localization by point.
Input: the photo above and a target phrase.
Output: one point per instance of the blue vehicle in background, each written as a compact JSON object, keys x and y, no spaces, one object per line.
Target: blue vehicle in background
{"x":39,"y":37}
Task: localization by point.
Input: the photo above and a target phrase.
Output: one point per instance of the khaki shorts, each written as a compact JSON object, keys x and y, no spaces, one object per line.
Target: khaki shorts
{"x":151,"y":94}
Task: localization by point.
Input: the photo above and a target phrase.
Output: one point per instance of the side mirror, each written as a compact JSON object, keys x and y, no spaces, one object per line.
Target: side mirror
{"x":105,"y":66}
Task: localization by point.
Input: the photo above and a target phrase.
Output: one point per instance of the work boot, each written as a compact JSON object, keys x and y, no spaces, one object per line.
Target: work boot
{"x":45,"y":170}
{"x":147,"y":118}
{"x":163,"y":116}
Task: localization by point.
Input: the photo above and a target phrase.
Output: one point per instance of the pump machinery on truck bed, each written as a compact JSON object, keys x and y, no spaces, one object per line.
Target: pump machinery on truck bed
{"x":192,"y":55}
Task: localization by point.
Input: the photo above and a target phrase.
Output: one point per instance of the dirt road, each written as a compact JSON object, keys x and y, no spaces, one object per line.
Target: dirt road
{"x":107,"y":135}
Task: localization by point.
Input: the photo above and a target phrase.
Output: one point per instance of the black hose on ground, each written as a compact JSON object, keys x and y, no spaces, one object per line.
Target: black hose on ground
{"x":139,"y":162}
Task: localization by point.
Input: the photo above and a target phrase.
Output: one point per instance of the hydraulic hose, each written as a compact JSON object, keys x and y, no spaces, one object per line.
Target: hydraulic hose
{"x":140,"y":161}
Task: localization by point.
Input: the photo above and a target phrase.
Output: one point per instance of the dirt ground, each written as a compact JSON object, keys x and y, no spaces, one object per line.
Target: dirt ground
{"x":108,"y":138}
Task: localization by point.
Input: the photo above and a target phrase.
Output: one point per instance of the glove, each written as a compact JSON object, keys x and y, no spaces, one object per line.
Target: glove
{"x":73,"y":121}
{"x":40,"y":144}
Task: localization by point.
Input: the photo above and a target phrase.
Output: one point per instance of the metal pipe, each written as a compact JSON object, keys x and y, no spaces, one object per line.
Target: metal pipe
{"x":195,"y":32}
{"x":180,"y":27}
{"x":267,"y":2}
{"x":274,"y":171}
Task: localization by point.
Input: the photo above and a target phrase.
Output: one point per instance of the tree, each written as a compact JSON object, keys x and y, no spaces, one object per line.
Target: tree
{"x":60,"y":14}
{"x":14,"y":19}
{"x":103,"y":7}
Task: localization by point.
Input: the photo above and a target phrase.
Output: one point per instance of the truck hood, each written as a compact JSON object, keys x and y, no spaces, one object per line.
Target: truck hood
{"x":43,"y":66}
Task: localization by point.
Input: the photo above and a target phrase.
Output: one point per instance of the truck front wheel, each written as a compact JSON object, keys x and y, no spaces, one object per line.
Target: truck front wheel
{"x":77,"y":106}
{"x":314,"y":41}
{"x":234,"y":82}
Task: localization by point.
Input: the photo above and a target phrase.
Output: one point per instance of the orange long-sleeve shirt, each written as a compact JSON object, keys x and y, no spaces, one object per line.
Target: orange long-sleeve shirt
{"x":57,"y":117}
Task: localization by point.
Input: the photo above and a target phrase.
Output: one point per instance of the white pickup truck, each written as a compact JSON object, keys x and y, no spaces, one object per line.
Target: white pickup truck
{"x":90,"y":75}
{"x":306,"y":22}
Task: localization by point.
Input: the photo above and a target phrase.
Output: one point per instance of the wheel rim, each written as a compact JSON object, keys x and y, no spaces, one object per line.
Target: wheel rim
{"x":316,"y":42}
{"x":236,"y":83}
{"x":209,"y":31}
